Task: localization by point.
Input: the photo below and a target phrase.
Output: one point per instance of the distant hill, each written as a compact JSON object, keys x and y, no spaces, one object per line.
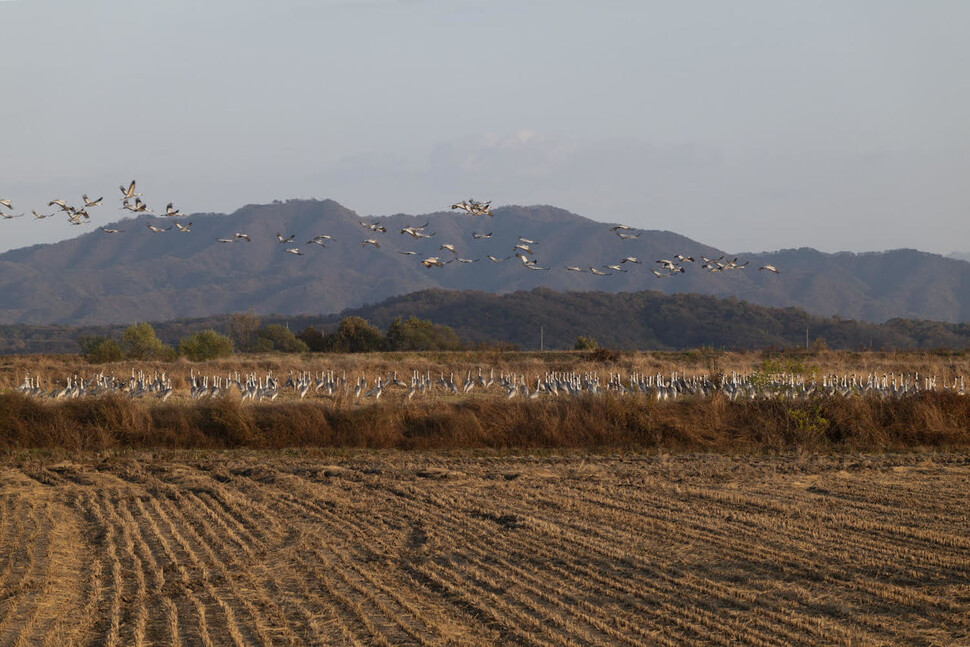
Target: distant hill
{"x":638,"y":320}
{"x":137,"y":275}
{"x":648,"y":320}
{"x":959,"y":256}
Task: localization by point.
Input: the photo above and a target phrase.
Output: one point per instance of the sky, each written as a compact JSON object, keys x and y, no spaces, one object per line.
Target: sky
{"x":749,"y":125}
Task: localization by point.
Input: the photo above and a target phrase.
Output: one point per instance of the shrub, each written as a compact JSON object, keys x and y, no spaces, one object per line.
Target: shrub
{"x":204,"y":345}
{"x":242,"y":329}
{"x":140,"y":342}
{"x":100,"y":350}
{"x":354,"y":335}
{"x":420,"y":334}
{"x":280,"y":338}
{"x":585,"y":343}
{"x":314,"y":339}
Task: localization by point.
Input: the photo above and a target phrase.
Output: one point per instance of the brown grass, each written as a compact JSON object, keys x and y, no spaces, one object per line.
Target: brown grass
{"x":931,"y":420}
{"x":945,"y":364}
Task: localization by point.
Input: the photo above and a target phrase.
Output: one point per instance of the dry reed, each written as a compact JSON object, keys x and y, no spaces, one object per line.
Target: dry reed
{"x":930,"y":420}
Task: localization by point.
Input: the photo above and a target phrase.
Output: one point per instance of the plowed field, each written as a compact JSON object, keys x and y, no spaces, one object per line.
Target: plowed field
{"x":430,"y":549}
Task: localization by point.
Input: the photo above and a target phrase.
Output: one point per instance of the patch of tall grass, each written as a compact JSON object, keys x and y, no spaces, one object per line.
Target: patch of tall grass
{"x":931,"y":420}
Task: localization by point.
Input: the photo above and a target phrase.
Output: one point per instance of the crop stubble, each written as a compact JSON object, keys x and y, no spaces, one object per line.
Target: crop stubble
{"x":242,"y":548}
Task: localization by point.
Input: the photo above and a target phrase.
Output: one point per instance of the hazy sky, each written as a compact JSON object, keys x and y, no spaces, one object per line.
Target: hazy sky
{"x":747,"y":125}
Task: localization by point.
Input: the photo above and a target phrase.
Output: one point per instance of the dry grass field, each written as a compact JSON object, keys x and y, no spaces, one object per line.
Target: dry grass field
{"x":945,"y":364}
{"x":393,"y":548}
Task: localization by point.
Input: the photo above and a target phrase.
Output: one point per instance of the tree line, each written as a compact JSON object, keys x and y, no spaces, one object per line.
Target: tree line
{"x":584,"y":320}
{"x":244,"y":333}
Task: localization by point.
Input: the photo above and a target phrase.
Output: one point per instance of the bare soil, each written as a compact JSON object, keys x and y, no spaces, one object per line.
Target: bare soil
{"x":395,"y":548}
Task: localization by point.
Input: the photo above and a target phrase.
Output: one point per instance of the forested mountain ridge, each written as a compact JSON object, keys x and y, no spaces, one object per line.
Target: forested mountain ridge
{"x":138,"y":275}
{"x":639,"y":320}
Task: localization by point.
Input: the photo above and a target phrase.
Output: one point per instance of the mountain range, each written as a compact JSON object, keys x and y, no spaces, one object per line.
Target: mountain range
{"x":137,"y":275}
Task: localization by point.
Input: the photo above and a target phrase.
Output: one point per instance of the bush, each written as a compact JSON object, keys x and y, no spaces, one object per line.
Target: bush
{"x":139,"y":341}
{"x":100,"y":350}
{"x":205,"y":344}
{"x":314,"y":339}
{"x":242,"y":329}
{"x":585,"y":343}
{"x":354,"y":335}
{"x":281,"y":338}
{"x":419,"y":334}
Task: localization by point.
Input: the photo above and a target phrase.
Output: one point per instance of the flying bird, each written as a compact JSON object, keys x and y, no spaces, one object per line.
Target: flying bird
{"x":478,"y":236}
{"x":111,"y":231}
{"x":91,"y":203}
{"x":497,"y":260}
{"x":627,"y":236}
{"x":473,"y":207}
{"x":408,"y":252}
{"x":770,"y":268}
{"x":10,"y":216}
{"x":598,"y":272}
{"x":371,"y":241}
{"x":432,"y":261}
{"x":449,"y":247}
{"x":156,"y":230}
{"x":375,"y":227}
{"x":172,"y":211}
{"x":5,"y":202}
{"x":573,"y":268}
{"x":183,"y":228}
{"x":138,"y":207}
{"x":615,"y":227}
{"x":243,"y":237}
{"x":295,"y":251}
{"x":631,"y":259}
{"x":41,"y":216}
{"x":129,"y":192}
{"x":280,"y":238}
{"x":415,"y":232}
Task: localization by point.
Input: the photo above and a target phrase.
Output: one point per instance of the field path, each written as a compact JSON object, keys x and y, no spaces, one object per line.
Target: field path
{"x":388,"y":548}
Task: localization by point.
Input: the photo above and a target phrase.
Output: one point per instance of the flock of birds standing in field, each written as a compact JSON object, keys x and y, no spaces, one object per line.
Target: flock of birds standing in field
{"x":259,"y":388}
{"x":523,"y":250}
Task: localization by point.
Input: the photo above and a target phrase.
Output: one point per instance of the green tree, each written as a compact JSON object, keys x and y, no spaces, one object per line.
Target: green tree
{"x":354,"y":335}
{"x":139,"y":341}
{"x":281,"y":338}
{"x":585,"y":343}
{"x":205,"y":344}
{"x":100,"y":350}
{"x":420,"y":334}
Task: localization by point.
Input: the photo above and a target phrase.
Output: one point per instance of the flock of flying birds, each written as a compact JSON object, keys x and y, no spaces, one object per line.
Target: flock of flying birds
{"x":524,"y":249}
